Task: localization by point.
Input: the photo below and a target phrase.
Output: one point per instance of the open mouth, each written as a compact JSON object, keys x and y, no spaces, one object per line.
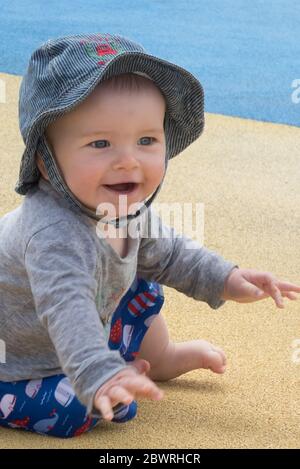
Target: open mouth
{"x":125,"y":188}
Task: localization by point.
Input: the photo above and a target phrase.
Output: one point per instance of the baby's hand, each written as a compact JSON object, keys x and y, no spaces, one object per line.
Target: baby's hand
{"x":247,"y":285}
{"x":124,"y":387}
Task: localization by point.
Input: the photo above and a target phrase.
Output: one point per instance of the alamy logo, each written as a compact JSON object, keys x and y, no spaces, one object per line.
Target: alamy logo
{"x":174,"y":220}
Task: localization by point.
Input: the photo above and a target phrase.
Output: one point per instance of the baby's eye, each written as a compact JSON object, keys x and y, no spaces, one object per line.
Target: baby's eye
{"x":101,"y":141}
{"x":147,"y":139}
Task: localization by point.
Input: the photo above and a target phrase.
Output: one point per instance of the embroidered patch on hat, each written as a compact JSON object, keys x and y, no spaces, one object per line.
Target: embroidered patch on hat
{"x":103,"y":47}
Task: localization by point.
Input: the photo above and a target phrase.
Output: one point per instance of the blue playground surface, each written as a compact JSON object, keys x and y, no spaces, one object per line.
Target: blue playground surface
{"x":246,"y":54}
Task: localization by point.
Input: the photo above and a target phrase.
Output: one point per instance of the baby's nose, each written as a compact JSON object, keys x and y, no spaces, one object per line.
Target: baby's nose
{"x":126,"y":161}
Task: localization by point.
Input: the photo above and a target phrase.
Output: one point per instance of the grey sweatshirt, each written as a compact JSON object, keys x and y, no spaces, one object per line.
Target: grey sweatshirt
{"x":61,"y":281}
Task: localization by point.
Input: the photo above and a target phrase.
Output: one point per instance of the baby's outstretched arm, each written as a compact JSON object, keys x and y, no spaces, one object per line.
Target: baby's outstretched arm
{"x":124,"y":387}
{"x":248,"y":285}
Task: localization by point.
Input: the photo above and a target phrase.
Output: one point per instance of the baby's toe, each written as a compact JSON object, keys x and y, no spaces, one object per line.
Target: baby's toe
{"x":221,"y":352}
{"x":217,"y":360}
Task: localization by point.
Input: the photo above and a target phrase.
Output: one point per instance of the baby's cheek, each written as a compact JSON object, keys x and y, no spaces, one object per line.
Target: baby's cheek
{"x":159,"y":173}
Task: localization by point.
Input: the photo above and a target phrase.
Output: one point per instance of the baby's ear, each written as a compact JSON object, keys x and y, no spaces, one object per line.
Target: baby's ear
{"x":41,"y":166}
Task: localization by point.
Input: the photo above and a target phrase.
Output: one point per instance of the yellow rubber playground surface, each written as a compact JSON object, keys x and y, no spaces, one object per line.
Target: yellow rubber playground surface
{"x":247,"y":174}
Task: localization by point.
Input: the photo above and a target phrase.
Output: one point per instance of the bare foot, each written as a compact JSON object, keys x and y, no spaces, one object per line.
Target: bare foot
{"x":210,"y":356}
{"x":182,"y":357}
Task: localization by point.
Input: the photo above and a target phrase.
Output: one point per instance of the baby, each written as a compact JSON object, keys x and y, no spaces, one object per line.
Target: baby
{"x":80,"y":294}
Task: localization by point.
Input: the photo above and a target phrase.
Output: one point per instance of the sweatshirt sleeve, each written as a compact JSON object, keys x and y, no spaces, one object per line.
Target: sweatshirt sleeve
{"x":61,"y":263}
{"x":177,"y":261}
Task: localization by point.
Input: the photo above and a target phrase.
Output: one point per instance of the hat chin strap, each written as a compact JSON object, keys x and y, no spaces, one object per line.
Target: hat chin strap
{"x":59,"y":184}
{"x":126,"y":219}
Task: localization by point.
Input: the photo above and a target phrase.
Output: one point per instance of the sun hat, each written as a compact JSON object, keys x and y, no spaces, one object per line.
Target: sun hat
{"x":62,"y":72}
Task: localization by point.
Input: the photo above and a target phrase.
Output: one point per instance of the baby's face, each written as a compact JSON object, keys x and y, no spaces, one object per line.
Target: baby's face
{"x":110,"y":138}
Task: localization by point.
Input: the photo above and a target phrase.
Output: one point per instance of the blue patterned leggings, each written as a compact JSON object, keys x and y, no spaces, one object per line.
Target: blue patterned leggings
{"x":49,"y":405}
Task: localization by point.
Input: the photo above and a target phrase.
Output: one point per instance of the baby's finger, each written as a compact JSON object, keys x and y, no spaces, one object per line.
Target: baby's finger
{"x":118,"y":394}
{"x":288,"y":286}
{"x":103,"y":404}
{"x":276,"y":294}
{"x":290,"y":295}
{"x":143,"y":387}
{"x":141,"y":366}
